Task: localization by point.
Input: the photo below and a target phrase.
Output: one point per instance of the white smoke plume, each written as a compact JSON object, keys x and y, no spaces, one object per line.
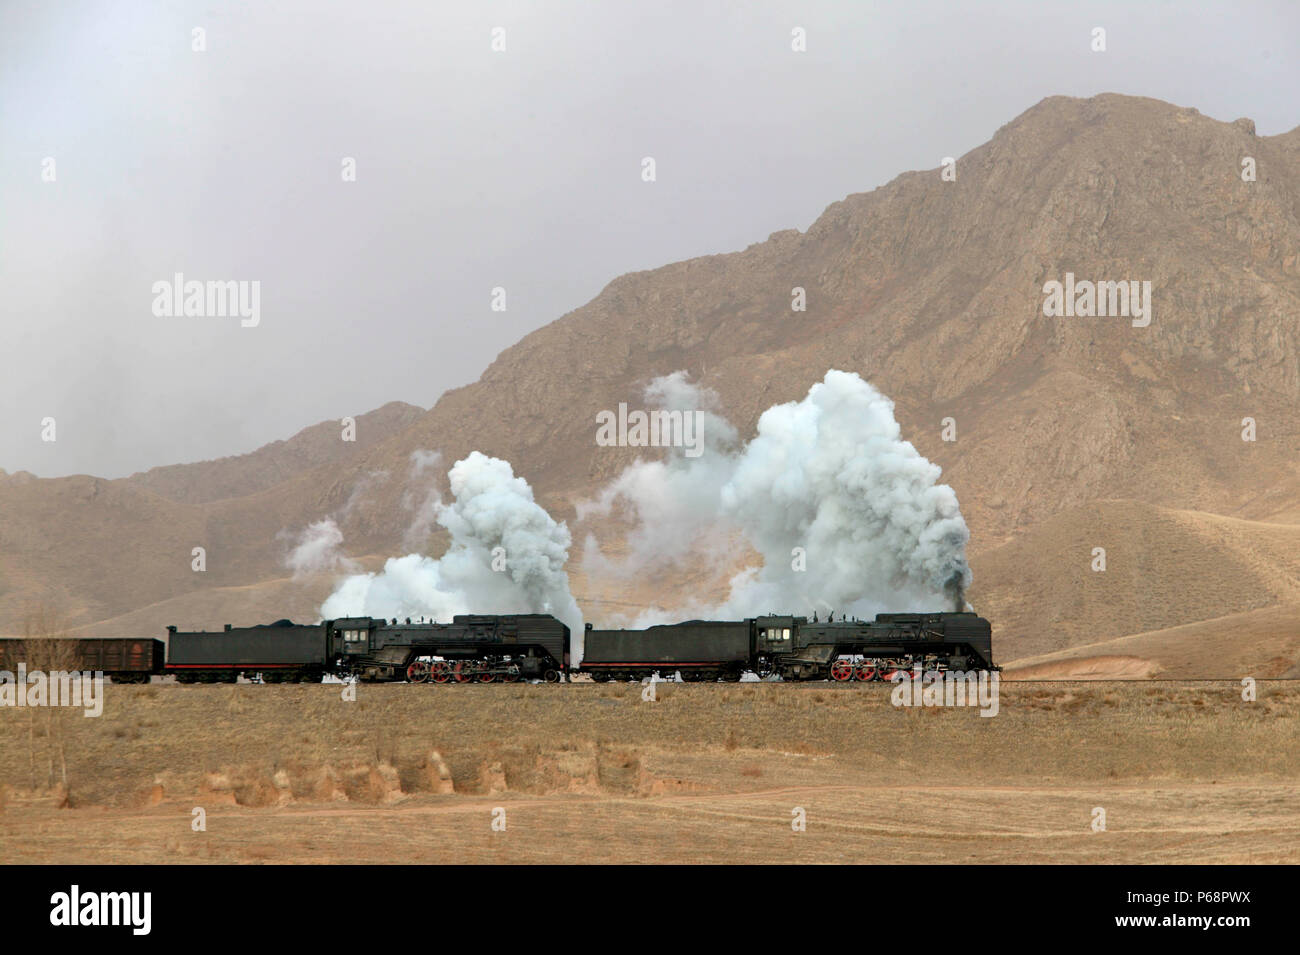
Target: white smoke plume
{"x":421,"y":496}
{"x":358,"y":497}
{"x":506,"y":555}
{"x":317,"y":550}
{"x":829,"y":475}
{"x":672,"y":500}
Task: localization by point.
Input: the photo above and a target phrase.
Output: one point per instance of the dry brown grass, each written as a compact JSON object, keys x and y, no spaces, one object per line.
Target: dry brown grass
{"x":1186,"y":772}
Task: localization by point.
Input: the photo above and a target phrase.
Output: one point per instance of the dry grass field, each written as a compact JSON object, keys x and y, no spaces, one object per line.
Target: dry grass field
{"x":706,"y":773}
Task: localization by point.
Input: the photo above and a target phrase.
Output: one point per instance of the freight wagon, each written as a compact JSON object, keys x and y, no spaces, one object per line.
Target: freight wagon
{"x":121,"y":659}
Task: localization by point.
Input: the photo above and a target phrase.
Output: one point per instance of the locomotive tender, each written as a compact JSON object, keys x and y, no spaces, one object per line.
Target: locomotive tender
{"x":489,"y":648}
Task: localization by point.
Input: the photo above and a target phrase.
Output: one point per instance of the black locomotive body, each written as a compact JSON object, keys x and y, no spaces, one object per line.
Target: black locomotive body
{"x":793,"y":647}
{"x":866,"y":650}
{"x":473,"y":648}
{"x":480,"y":648}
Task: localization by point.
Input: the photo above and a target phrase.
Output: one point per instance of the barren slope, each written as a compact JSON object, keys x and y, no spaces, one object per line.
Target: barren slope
{"x":1163,"y":568}
{"x":1264,"y":644}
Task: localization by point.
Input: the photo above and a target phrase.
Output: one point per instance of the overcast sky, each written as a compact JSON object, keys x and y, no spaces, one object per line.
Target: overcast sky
{"x":474,"y":169}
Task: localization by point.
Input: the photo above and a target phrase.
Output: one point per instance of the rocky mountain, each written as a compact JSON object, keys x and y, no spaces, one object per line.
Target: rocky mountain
{"x":1071,"y":432}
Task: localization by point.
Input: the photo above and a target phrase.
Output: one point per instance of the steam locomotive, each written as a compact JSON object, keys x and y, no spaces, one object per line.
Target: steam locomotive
{"x":506,"y":648}
{"x":793,"y":648}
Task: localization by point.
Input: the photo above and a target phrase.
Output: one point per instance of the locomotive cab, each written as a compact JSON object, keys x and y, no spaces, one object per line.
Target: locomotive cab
{"x":351,"y":636}
{"x":773,"y":634}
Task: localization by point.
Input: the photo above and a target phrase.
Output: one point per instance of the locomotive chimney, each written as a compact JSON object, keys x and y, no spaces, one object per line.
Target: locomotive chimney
{"x":954,"y":588}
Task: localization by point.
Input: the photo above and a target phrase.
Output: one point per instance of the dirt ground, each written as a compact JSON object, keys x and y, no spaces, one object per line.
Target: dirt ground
{"x":1184,"y":772}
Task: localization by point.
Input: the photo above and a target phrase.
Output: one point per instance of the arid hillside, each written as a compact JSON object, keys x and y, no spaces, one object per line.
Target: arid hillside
{"x":1072,"y":432}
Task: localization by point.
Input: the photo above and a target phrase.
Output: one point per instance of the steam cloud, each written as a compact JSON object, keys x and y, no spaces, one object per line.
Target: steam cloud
{"x":492,"y":509}
{"x":828,"y":481}
{"x":829,"y":474}
{"x":317,"y":550}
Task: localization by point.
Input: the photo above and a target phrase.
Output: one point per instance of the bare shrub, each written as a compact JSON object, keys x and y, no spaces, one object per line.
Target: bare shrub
{"x":47,"y":647}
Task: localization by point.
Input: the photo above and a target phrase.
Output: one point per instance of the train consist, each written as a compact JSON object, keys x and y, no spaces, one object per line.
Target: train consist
{"x":506,"y":648}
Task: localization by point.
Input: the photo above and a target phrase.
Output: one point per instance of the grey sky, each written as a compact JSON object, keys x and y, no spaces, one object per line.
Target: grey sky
{"x":475,"y":169}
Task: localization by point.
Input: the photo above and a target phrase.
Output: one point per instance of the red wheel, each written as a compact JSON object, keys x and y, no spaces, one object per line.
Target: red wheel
{"x":487,"y":676}
{"x":887,"y":673}
{"x":511,"y":675}
{"x":441,"y":671}
{"x":463,"y":673}
{"x":866,"y":672}
{"x":841,"y":670}
{"x":418,"y":672}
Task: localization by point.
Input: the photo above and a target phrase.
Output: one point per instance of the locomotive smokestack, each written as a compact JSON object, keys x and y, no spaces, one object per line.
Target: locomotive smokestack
{"x":953,"y":588}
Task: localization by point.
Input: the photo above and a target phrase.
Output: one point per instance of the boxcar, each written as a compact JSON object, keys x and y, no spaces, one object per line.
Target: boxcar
{"x":122,"y":659}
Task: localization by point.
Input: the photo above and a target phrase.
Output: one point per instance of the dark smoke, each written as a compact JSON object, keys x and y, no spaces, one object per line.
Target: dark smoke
{"x":956,"y":590}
